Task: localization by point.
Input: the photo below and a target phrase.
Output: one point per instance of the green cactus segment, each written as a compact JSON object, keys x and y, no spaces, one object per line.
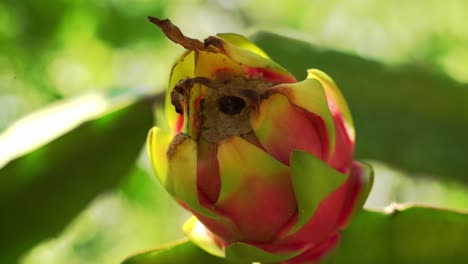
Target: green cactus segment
{"x":158,"y":142}
{"x":310,"y":95}
{"x":199,"y":235}
{"x":244,"y":253}
{"x":181,"y":180}
{"x":242,"y":42}
{"x":183,"y":68}
{"x":404,"y":235}
{"x":338,"y":102}
{"x":313,"y":180}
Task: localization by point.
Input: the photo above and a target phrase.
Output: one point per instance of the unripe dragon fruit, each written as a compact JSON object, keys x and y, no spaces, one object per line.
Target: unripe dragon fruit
{"x":264,"y":163}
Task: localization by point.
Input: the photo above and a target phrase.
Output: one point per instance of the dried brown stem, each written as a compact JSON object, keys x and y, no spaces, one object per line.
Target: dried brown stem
{"x":176,"y":35}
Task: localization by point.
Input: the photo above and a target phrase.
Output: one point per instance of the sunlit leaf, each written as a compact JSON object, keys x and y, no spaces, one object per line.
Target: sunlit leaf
{"x":42,"y":190}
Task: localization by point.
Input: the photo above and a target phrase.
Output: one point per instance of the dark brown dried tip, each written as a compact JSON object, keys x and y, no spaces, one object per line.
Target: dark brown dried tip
{"x":174,"y":34}
{"x":180,"y":91}
{"x":178,"y":140}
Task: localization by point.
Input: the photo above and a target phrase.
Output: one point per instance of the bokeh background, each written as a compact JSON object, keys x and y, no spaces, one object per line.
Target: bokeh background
{"x":57,"y":49}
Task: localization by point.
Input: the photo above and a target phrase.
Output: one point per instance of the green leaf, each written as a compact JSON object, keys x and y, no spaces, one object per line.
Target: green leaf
{"x":41,"y":191}
{"x":405,"y":115}
{"x":182,"y":251}
{"x":310,"y":173}
{"x":411,"y":235}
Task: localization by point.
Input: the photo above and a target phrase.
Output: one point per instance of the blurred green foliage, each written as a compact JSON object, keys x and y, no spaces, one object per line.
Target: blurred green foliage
{"x":60,"y":49}
{"x":49,"y":185}
{"x":404,"y":235}
{"x":375,"y":237}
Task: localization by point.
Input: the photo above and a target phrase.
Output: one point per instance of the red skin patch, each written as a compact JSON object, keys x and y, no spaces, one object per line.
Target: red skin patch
{"x":261,"y":208}
{"x":269,"y":75}
{"x":208,"y":178}
{"x":315,"y":254}
{"x":301,"y":130}
{"x":342,"y":155}
{"x":179,"y":123}
{"x":356,"y":186}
